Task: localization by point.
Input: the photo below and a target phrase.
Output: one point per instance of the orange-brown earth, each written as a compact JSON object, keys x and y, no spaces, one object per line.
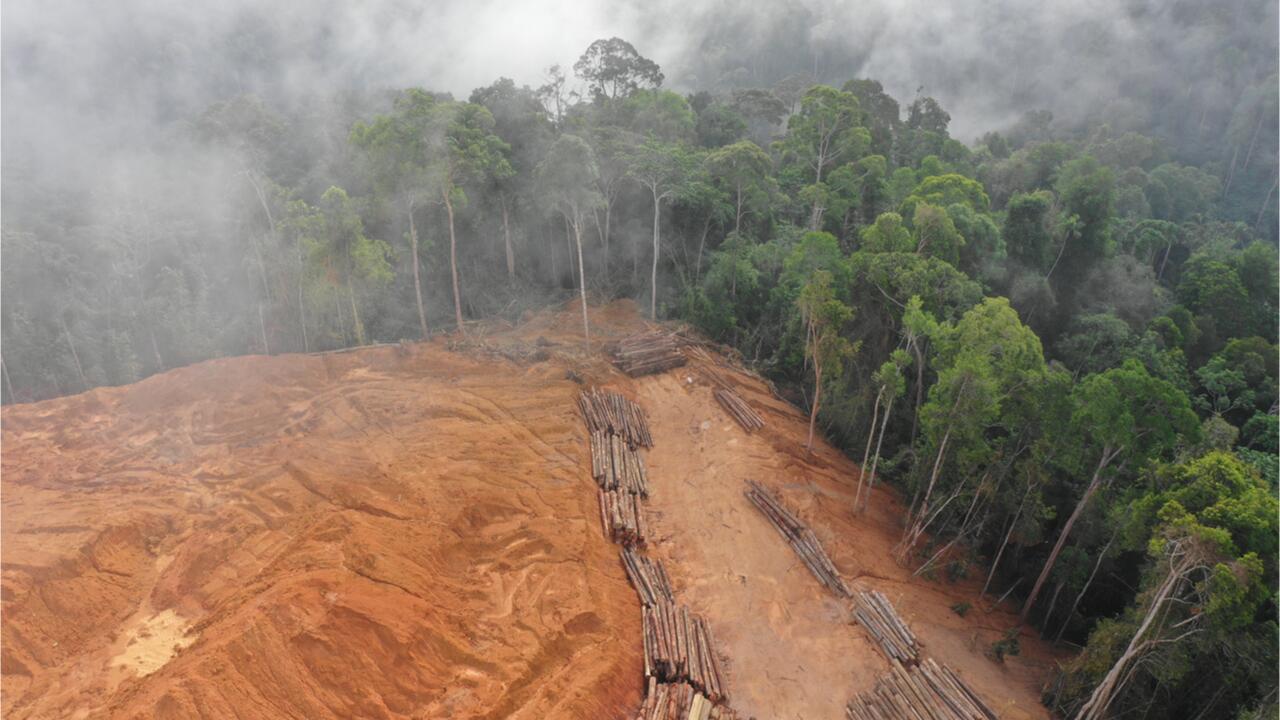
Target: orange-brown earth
{"x":412,"y":532}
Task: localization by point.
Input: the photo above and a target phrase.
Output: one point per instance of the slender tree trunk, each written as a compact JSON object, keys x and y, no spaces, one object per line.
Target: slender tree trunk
{"x":875,"y":458}
{"x":453,"y":261}
{"x":1104,"y":692}
{"x":1094,"y":484}
{"x":866,"y":453}
{"x":1231,"y":171}
{"x":737,"y":215}
{"x":74,"y":355}
{"x":915,"y":416}
{"x":1005,"y":543}
{"x":262,"y":325}
{"x":8,"y":383}
{"x":608,"y":213}
{"x":582,"y":286}
{"x":1167,"y":249}
{"x":1053,"y":602}
{"x":702,"y":242}
{"x":302,"y":304}
{"x":155,"y":347}
{"x":1252,"y":141}
{"x":355,"y":313}
{"x":1266,"y":203}
{"x":417,"y":276}
{"x":817,"y":399}
{"x":653,"y":275}
{"x":1080,"y":596}
{"x":506,"y":236}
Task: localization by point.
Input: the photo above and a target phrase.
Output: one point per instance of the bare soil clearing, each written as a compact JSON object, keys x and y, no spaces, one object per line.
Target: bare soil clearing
{"x":413,"y":533}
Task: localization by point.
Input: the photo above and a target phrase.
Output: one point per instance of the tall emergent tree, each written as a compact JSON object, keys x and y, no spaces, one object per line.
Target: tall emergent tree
{"x":567,"y":177}
{"x":613,"y":69}
{"x":823,"y":317}
{"x":664,"y":170}
{"x":1122,"y":414}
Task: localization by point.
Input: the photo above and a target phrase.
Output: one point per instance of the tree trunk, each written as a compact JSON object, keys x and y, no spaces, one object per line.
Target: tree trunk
{"x":1053,"y":602}
{"x":866,"y":453}
{"x":417,"y":277}
{"x":8,"y":384}
{"x":1076,"y":603}
{"x":653,"y":275}
{"x":355,"y":314}
{"x":506,"y":236}
{"x":1004,"y":543}
{"x":702,"y":242}
{"x":875,"y":458}
{"x":1252,"y":142}
{"x":1231,"y":171}
{"x":1105,"y":691}
{"x":302,"y":304}
{"x":817,"y":398}
{"x":74,"y":355}
{"x":582,"y":286}
{"x":155,"y":347}
{"x":915,"y":416}
{"x":1267,"y":202}
{"x":1066,"y":532}
{"x":262,"y":325}
{"x":737,"y":214}
{"x":453,"y":261}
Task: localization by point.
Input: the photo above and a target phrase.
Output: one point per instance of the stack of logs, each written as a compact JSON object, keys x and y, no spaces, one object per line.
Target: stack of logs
{"x":733,"y":404}
{"x":648,"y":353}
{"x":926,"y":691}
{"x":874,"y":611}
{"x":679,"y":701}
{"x":617,"y":429}
{"x":678,"y":647}
{"x":622,"y":518}
{"x":801,"y":538}
{"x":606,"y":412}
{"x":617,"y":466}
{"x":648,"y":577}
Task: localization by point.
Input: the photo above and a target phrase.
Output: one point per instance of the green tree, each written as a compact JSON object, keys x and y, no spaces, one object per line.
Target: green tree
{"x":664,"y":170}
{"x":743,"y":171}
{"x":613,"y":69}
{"x":340,"y":250}
{"x":823,"y":318}
{"x":567,"y":178}
{"x":1121,"y":414}
{"x":824,"y":133}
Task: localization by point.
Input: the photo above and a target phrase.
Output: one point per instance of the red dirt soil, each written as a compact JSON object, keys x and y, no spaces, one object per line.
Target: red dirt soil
{"x":412,"y":532}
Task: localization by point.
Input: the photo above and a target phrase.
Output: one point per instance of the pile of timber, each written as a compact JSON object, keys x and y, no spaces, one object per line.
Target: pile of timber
{"x":648,"y":577}
{"x":733,"y":404}
{"x":622,"y":518}
{"x":607,"y":412}
{"x":680,"y":701}
{"x":616,"y":465}
{"x":801,"y":538}
{"x":874,"y":611}
{"x":678,"y":647}
{"x":927,"y":691}
{"x":648,"y":353}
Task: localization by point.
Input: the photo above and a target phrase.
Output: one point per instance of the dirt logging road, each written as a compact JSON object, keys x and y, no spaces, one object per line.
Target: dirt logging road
{"x":414,"y":532}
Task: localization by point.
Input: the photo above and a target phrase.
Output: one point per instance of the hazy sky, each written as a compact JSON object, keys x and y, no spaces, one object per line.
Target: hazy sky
{"x":74,"y":70}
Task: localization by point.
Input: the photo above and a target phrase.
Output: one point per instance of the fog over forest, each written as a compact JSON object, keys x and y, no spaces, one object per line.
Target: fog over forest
{"x":1019,"y":258}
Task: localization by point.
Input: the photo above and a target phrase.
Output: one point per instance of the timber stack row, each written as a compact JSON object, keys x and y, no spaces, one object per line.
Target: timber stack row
{"x":927,"y":691}
{"x":617,"y":466}
{"x":648,"y":577}
{"x":611,"y":413}
{"x":801,"y":538}
{"x":648,"y":353}
{"x":875,"y":613}
{"x":680,"y":701}
{"x":622,"y":517}
{"x":738,"y":408}
{"x":678,"y":647}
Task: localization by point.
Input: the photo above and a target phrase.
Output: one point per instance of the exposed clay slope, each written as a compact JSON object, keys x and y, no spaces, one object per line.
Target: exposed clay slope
{"x":373,"y":534}
{"x":414,"y":533}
